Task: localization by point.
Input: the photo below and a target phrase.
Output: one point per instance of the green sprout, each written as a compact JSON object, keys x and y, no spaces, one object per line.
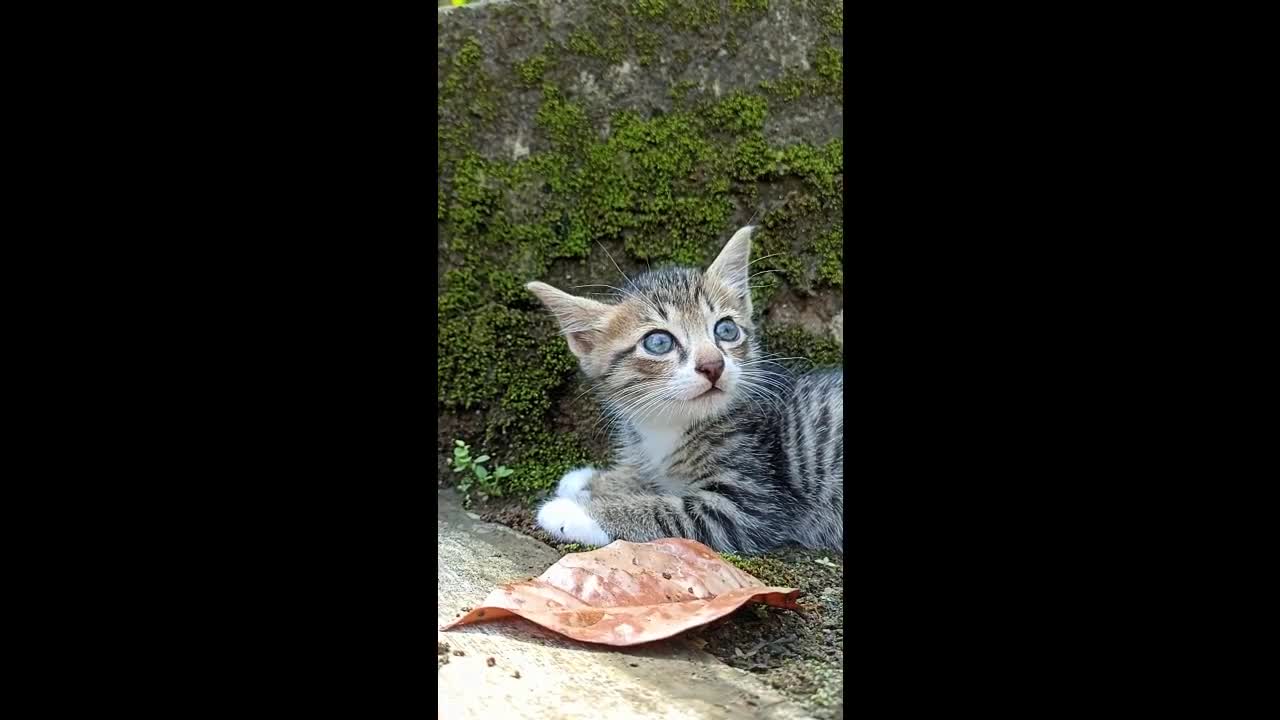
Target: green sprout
{"x":485,"y":482}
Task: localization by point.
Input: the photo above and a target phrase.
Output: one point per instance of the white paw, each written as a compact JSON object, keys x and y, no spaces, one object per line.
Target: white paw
{"x":574,"y":482}
{"x":567,"y":520}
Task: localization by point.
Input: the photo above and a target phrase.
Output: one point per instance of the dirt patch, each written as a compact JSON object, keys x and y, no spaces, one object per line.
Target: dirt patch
{"x":800,"y":654}
{"x":814,"y":313}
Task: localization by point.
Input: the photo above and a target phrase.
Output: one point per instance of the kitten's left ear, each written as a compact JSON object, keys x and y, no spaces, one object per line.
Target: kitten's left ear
{"x":731,"y":265}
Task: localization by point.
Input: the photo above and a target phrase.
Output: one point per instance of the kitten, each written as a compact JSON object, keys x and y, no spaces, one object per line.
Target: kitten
{"x":713,"y":441}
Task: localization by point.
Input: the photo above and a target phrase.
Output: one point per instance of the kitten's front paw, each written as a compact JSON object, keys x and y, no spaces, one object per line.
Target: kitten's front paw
{"x":575,"y":482}
{"x":565,"y":519}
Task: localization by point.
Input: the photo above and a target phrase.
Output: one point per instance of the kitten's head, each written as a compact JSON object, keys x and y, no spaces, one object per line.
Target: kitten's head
{"x":677,"y":344}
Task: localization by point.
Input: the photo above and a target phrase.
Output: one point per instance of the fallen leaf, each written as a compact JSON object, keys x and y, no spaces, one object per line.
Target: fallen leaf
{"x":600,"y":596}
{"x":825,"y":561}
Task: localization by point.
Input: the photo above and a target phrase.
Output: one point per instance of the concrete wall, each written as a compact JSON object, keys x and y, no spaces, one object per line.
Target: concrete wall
{"x":649,"y":129}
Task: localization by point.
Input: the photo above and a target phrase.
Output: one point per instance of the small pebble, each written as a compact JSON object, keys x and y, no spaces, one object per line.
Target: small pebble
{"x":459,"y":653}
{"x":490,"y":662}
{"x":516,"y":674}
{"x":666,"y":576}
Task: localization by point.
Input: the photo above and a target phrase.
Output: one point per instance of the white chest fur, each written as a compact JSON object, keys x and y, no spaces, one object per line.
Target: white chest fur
{"x":657,"y":442}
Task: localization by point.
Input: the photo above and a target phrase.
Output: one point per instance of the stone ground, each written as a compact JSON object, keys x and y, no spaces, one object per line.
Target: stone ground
{"x":756,"y":663}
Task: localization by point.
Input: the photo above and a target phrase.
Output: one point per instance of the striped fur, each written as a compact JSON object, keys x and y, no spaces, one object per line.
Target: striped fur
{"x":753,"y":464}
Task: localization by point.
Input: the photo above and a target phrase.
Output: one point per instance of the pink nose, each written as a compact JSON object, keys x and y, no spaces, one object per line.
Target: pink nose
{"x":711,"y":369}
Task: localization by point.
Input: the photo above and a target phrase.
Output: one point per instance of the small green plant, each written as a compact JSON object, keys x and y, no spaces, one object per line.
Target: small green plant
{"x":480,"y":478}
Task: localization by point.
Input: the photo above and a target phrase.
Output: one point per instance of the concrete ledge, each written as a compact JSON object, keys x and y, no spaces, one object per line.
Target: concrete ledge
{"x":560,"y":678}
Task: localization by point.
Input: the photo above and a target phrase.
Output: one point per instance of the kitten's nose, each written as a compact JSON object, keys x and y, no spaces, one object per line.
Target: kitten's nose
{"x":711,"y":369}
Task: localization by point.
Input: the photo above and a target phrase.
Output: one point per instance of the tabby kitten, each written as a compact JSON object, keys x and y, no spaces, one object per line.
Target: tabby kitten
{"x":713,"y":441}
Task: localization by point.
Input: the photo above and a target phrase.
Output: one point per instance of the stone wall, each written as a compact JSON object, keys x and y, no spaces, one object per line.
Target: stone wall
{"x":575,"y":134}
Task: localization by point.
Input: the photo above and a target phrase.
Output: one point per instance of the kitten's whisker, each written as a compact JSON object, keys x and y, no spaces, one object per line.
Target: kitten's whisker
{"x":634,"y":402}
{"x":615,"y":262}
{"x":659,"y":401}
{"x":756,"y":374}
{"x":631,"y":397}
{"x":766,"y":257}
{"x":772,"y":360}
{"x":775,"y":392}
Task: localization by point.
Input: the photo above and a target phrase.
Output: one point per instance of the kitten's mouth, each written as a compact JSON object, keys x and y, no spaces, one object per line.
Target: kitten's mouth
{"x":709,"y":393}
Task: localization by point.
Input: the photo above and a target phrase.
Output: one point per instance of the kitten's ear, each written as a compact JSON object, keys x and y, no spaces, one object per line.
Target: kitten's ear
{"x":731,"y":265}
{"x":580,"y":318}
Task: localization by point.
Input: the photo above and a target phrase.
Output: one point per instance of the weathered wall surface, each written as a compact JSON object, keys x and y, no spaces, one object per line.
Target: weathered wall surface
{"x":650,"y":129}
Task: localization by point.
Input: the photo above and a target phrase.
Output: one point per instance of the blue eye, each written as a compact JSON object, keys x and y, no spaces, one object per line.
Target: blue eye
{"x":727,"y":330}
{"x":658,"y":342}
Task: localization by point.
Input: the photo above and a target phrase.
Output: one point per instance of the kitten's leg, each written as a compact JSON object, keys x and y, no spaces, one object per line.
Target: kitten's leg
{"x":566,"y":516}
{"x":598,"y":520}
{"x":601,"y":517}
{"x":575,"y":482}
{"x":566,"y":519}
{"x":578,"y":484}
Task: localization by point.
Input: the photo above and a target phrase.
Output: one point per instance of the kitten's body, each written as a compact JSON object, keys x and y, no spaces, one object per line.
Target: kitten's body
{"x":713,"y":442}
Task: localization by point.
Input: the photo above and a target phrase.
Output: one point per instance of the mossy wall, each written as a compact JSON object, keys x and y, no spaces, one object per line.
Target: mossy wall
{"x":575,"y":135}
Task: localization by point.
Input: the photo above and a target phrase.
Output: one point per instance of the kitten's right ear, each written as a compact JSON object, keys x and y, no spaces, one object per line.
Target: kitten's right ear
{"x":731,"y":265}
{"x":580,"y":318}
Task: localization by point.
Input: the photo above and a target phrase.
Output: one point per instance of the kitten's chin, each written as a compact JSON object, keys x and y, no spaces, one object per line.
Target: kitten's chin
{"x":709,"y":403}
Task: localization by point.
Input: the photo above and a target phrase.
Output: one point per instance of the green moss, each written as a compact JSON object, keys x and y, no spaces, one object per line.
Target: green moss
{"x":466,"y":58}
{"x":648,"y":8}
{"x":826,"y":77}
{"x":465,"y":292}
{"x":818,"y":166}
{"x":581,"y":43}
{"x":467,"y":83}
{"x":469,"y":54}
{"x":833,"y":16}
{"x":544,"y":457}
{"x":567,"y":548}
{"x":564,"y":122}
{"x":830,"y":250}
{"x":748,"y":5}
{"x":679,"y":91}
{"x":798,"y":243}
{"x":828,"y":65}
{"x":740,"y":112}
{"x":530,"y":71}
{"x":648,"y":46}
{"x":797,"y":342}
{"x":768,"y":570}
{"x":752,"y":158}
{"x":473,"y":199}
{"x":695,"y":16}
{"x":791,"y":86}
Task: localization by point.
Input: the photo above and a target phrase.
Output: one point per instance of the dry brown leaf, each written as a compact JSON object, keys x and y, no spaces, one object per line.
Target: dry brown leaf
{"x":630,"y":593}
